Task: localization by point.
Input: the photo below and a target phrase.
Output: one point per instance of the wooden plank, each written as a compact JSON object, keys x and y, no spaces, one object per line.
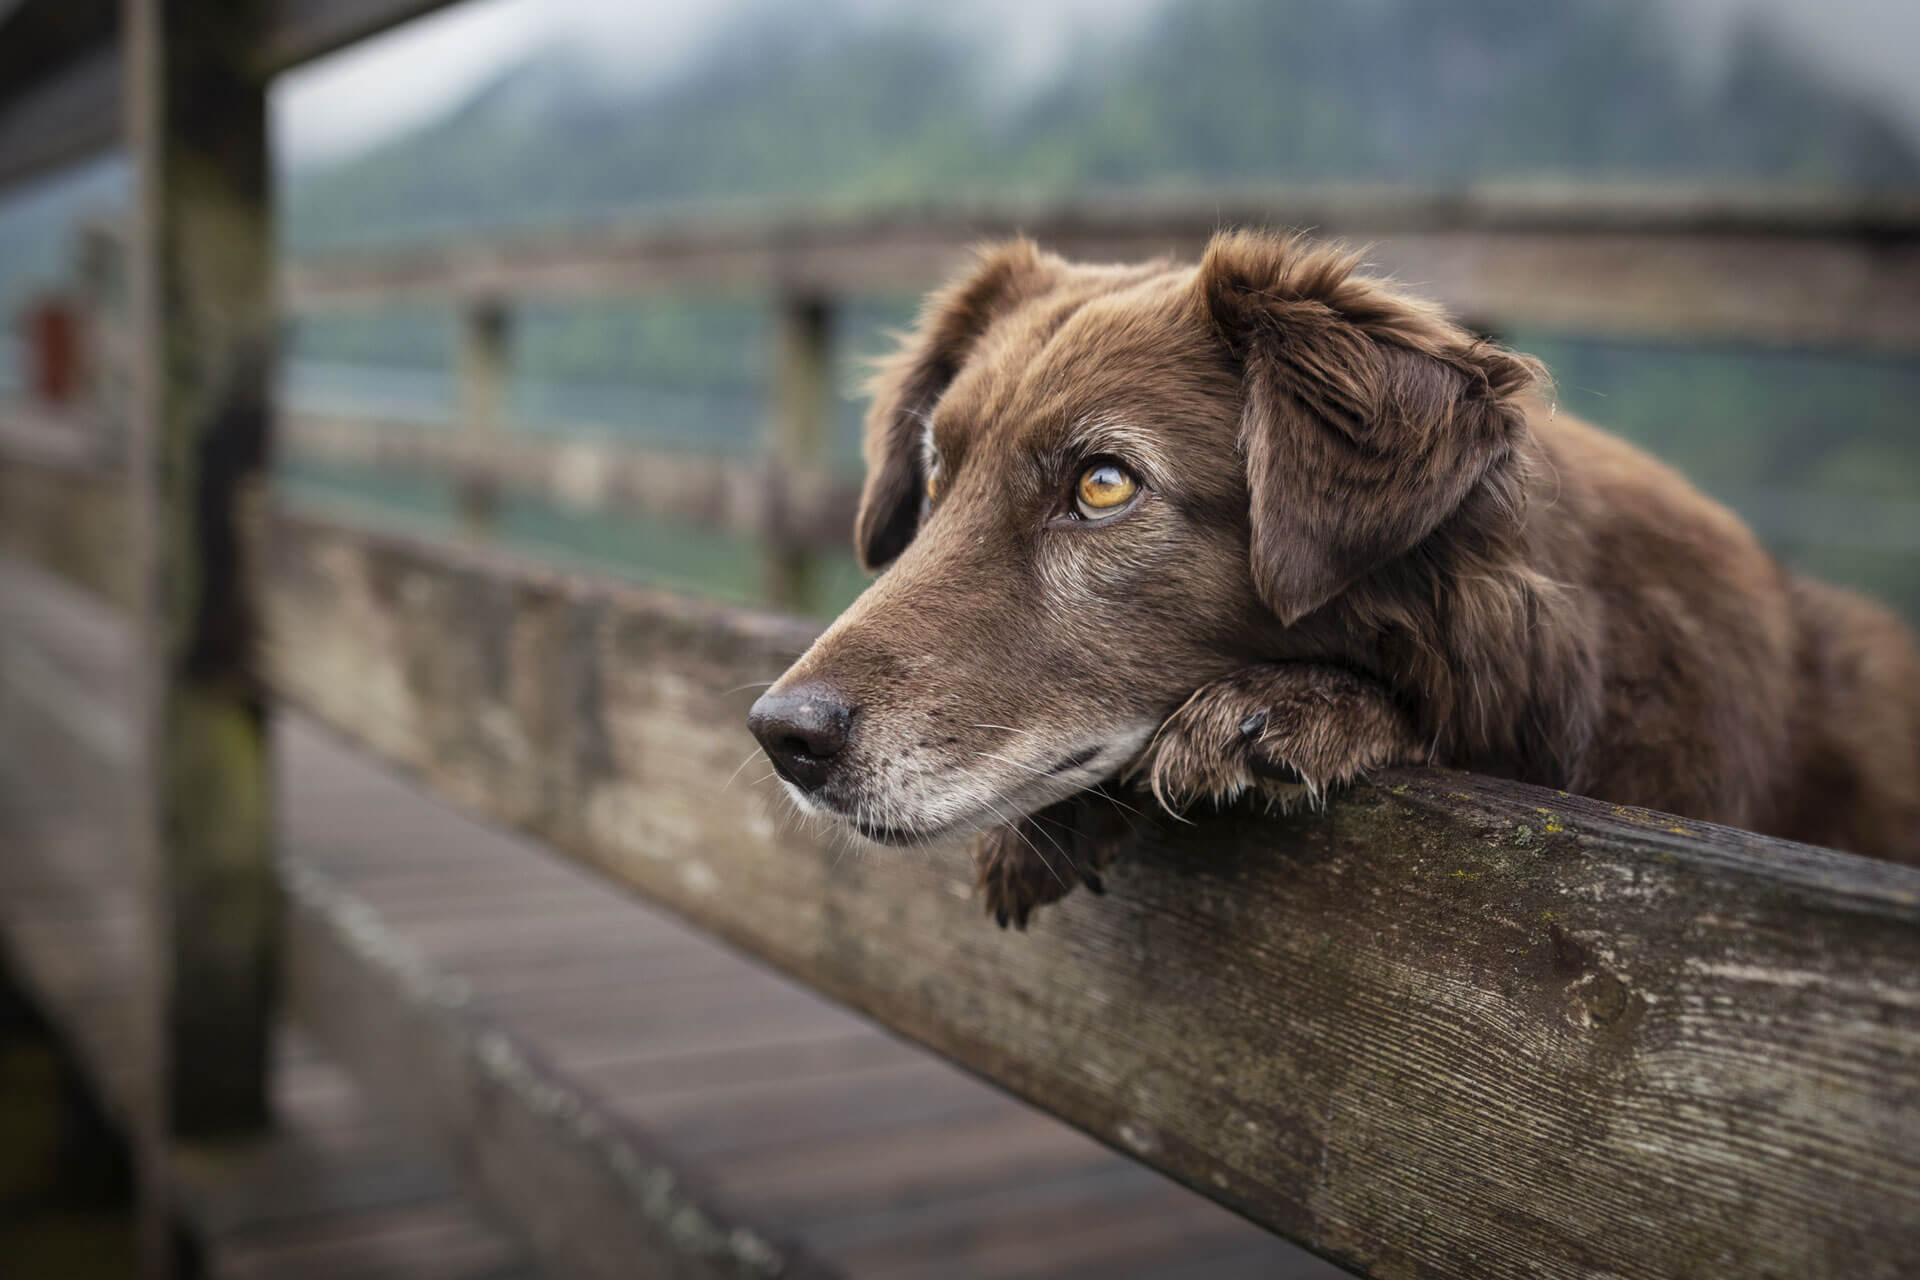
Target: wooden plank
{"x":593,"y":1197}
{"x":70,"y":919}
{"x":63,"y":502}
{"x":300,"y":30}
{"x":327,"y":1174}
{"x":350,"y":816}
{"x":61,"y":117}
{"x":808,"y":507}
{"x":1772,"y":267}
{"x":205,"y":335}
{"x":62,"y":82}
{"x":796,"y":448}
{"x":1450,"y":1026}
{"x":482,"y":367}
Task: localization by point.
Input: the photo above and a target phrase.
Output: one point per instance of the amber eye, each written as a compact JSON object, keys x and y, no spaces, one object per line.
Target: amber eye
{"x":1104,"y":488}
{"x":933,"y":485}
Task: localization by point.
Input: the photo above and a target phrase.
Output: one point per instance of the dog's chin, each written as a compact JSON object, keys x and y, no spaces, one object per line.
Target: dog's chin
{"x":1001,"y":810}
{"x":892,"y":835}
{"x":973,"y":803}
{"x":896,"y":837}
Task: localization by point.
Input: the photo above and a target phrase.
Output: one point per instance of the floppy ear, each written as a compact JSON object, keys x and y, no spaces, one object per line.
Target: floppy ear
{"x":911,"y":381}
{"x":1368,"y":417}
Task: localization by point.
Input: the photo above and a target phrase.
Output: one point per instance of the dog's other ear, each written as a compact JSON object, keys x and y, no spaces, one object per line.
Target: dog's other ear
{"x":1368,"y":416}
{"x":910,"y":382}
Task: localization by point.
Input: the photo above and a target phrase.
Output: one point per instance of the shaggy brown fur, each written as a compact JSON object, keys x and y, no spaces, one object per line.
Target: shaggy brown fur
{"x":1362,"y":537}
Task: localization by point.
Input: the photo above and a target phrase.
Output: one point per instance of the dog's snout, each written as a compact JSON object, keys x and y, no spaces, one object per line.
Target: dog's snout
{"x":803,"y":731}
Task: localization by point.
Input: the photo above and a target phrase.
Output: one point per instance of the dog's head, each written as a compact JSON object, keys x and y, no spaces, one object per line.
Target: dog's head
{"x":1094,"y":489}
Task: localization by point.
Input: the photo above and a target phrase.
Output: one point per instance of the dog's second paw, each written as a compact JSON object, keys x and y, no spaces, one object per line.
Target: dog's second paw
{"x":1291,"y":730}
{"x":1040,"y":858}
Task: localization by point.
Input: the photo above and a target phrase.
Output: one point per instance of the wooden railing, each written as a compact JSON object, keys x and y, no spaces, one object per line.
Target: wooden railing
{"x":1448,"y":1026}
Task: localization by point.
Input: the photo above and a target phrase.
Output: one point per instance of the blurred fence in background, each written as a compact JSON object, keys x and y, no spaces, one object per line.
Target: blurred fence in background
{"x":1758,"y":340}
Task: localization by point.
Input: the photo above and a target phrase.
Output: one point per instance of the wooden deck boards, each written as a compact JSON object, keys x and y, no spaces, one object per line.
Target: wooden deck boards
{"x":332,"y":1191}
{"x":806,"y":1121}
{"x":810,"y":1122}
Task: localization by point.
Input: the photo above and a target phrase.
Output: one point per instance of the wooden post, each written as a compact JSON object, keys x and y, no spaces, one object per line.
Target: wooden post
{"x":482,"y":367}
{"x":203,"y":316}
{"x":96,"y":264}
{"x":797,"y":442}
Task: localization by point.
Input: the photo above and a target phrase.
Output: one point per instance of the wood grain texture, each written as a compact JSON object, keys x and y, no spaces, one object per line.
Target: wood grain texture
{"x":1450,"y":1026}
{"x":331,"y":1189}
{"x":591,"y":1196}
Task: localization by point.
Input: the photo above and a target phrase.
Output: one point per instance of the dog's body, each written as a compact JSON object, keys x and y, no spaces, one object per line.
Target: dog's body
{"x":1269,"y":518}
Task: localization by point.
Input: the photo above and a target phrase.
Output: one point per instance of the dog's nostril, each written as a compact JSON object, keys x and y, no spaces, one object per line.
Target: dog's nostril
{"x":802,"y":730}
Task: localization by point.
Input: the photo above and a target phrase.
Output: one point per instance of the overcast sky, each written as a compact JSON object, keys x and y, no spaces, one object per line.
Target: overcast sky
{"x":342,"y":103}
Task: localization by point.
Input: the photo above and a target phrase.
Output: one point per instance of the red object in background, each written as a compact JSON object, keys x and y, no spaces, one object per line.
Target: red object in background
{"x":53,"y":351}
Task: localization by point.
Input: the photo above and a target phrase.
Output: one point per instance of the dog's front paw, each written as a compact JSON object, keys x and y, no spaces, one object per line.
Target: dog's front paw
{"x":1040,"y":858}
{"x":1291,"y":730}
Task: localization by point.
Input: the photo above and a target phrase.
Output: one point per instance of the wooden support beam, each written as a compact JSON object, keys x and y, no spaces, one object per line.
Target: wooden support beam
{"x":483,"y":367}
{"x":1450,"y":1026}
{"x":62,"y":74}
{"x":203,"y":319}
{"x":66,"y":115}
{"x":300,"y":30}
{"x":796,"y":451}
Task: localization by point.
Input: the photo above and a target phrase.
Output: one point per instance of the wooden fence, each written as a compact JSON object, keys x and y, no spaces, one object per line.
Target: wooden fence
{"x":1450,"y":1026}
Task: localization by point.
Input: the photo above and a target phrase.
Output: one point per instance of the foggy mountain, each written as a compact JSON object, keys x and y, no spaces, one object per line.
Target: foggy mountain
{"x":840,"y":105}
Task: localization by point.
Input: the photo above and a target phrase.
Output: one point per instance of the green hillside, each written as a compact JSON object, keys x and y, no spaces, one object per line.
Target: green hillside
{"x":806,"y":103}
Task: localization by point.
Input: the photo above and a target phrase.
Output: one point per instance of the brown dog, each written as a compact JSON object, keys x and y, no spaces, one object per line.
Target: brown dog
{"x":1271,"y":518}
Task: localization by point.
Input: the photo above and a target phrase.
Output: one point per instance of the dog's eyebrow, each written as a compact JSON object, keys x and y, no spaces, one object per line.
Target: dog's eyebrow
{"x":1097,"y":434}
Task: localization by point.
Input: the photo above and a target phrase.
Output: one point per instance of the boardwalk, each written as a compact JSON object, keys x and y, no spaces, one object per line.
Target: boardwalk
{"x":870,"y":1156}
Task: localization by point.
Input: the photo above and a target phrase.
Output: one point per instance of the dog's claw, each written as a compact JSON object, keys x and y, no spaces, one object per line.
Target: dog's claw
{"x":1016,"y":878}
{"x":1296,"y":723}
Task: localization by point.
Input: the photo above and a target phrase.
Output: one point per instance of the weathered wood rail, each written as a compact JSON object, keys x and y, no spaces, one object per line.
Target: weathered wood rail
{"x":1447,"y":1027}
{"x":1450,"y":1026}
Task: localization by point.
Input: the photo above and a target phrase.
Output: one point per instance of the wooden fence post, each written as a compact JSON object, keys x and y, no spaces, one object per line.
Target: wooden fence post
{"x":486,"y":333}
{"x":797,"y":443}
{"x":97,"y":264}
{"x":203,"y":321}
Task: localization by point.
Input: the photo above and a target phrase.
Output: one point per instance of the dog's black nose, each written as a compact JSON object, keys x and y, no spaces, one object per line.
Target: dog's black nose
{"x":803,"y":730}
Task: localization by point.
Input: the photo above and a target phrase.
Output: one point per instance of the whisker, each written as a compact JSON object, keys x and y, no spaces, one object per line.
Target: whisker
{"x":988,"y":755}
{"x":1119,"y":803}
{"x":1014,"y":826}
{"x":737,"y":768}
